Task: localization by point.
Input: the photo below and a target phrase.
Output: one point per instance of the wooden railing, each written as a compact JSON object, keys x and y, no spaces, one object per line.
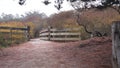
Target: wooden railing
{"x":60,"y":35}
{"x":10,"y":31}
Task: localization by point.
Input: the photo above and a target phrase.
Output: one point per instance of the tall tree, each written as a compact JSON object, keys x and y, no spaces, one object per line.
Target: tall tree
{"x":84,"y":4}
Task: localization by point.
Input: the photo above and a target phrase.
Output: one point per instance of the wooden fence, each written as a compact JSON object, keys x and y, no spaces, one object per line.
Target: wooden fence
{"x":60,"y":35}
{"x":10,"y":31}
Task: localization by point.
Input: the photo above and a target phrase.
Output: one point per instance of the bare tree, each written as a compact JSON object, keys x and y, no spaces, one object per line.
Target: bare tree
{"x":92,"y":33}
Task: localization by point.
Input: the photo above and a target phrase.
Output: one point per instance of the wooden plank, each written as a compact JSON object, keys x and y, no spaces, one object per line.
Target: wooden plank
{"x":13,"y":28}
{"x":43,"y":31}
{"x":3,"y":27}
{"x":62,"y":30}
{"x":67,"y":33}
{"x":19,"y":28}
{"x":68,"y":39}
{"x":44,"y":34}
{"x":53,"y":29}
{"x":65,"y":30}
{"x":12,"y":32}
{"x":116,"y":44}
{"x":44,"y":38}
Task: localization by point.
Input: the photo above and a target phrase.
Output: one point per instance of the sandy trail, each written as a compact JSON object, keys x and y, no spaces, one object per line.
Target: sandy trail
{"x":45,"y":54}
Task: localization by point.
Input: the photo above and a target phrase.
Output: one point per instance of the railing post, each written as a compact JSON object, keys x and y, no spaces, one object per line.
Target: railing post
{"x":116,"y":44}
{"x":11,"y":34}
{"x":28,"y":33}
{"x":66,"y":35}
{"x":49,"y":31}
{"x":53,"y":31}
{"x":79,"y":36}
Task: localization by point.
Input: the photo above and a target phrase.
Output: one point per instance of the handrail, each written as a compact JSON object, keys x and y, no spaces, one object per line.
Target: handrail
{"x":60,"y":35}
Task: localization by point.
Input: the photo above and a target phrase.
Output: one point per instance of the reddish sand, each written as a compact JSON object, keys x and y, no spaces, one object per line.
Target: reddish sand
{"x":91,"y":53}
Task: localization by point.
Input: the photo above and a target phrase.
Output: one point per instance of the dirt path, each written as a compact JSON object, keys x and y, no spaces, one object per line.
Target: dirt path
{"x":44,"y":54}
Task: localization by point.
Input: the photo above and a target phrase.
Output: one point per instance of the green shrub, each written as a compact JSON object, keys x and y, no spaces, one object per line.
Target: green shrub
{"x":4,"y":42}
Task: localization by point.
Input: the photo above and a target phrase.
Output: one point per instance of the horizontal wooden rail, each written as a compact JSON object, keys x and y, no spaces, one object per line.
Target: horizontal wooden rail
{"x":18,"y":33}
{"x":13,"y":28}
{"x":64,"y":39}
{"x":67,"y":33}
{"x":44,"y":34}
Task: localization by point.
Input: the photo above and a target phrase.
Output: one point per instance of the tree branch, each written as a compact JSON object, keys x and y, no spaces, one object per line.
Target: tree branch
{"x":118,"y":10}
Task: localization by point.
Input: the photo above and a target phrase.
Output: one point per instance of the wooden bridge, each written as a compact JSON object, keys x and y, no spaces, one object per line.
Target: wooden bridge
{"x":38,"y":53}
{"x":73,"y":35}
{"x":68,"y":34}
